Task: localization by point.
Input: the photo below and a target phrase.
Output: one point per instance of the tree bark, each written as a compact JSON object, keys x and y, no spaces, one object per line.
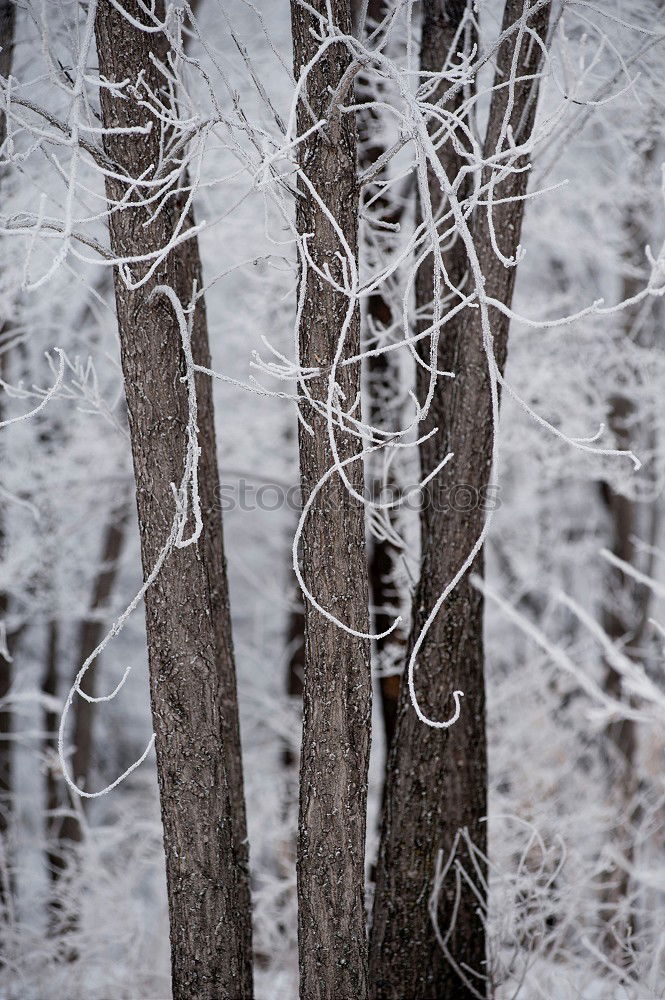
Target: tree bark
{"x":192,"y":672}
{"x":337,"y":684}
{"x":437,"y":782}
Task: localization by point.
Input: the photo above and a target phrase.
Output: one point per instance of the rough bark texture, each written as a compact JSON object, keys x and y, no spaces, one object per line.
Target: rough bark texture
{"x":192,"y":673}
{"x":7,"y":28}
{"x":337,"y":688}
{"x":437,"y":781}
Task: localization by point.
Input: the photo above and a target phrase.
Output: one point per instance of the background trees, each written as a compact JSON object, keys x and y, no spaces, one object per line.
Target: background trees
{"x":7,"y":29}
{"x":553,"y":853}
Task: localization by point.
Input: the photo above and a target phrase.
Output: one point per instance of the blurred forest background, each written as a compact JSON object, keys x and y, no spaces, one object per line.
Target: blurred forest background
{"x":574,"y":580}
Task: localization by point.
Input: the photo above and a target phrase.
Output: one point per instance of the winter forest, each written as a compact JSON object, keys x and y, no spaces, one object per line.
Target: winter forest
{"x":332,"y":451}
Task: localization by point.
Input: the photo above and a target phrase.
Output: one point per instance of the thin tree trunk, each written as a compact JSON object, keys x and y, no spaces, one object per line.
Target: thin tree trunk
{"x":63,"y":827}
{"x":295,"y":668}
{"x":54,"y":858}
{"x":437,"y":783}
{"x":295,"y":672}
{"x":383,"y":383}
{"x":626,"y":610}
{"x":91,"y":633}
{"x":622,"y":734}
{"x":61,"y":918}
{"x":192,"y":672}
{"x":337,"y":685}
{"x":7,"y":29}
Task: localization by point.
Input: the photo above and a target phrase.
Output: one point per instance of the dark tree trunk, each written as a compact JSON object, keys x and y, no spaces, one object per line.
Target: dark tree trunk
{"x":383,"y":383}
{"x":437,"y":783}
{"x":626,"y":608}
{"x":337,"y":684}
{"x":61,"y":917}
{"x":192,"y":670}
{"x":295,"y":667}
{"x":619,"y":624}
{"x":295,"y":672}
{"x":54,"y":858}
{"x":7,"y":28}
{"x":7,"y":31}
{"x":91,"y":634}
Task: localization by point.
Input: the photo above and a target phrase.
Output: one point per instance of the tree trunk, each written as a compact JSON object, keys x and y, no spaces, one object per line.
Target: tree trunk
{"x":7,"y":28}
{"x":337,"y":685}
{"x":383,"y":384}
{"x":626,"y":609}
{"x":295,"y":667}
{"x":437,"y":783}
{"x":621,"y":735}
{"x":54,"y":858}
{"x":91,"y":634}
{"x":192,"y":672}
